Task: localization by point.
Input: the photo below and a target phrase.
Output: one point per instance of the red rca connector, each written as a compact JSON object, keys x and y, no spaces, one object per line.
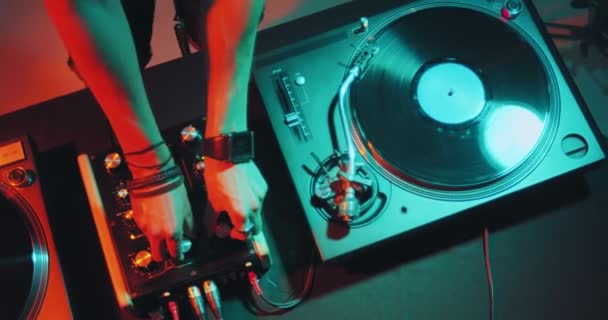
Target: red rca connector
{"x":173,"y":309}
{"x":255,"y":283}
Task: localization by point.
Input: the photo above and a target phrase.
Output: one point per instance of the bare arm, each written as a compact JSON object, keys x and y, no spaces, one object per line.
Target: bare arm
{"x":237,"y":189}
{"x":231,"y":33}
{"x":97,"y":35}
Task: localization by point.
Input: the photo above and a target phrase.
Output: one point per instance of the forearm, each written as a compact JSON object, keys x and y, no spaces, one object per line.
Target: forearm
{"x":231,"y":31}
{"x":97,"y":35}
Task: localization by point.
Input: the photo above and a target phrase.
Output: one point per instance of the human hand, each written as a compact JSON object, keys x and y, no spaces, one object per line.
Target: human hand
{"x":239,"y":190}
{"x":164,"y":218}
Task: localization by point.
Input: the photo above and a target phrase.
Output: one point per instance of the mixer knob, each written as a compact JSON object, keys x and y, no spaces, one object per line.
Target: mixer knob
{"x":185,"y":245}
{"x":143,"y":259}
{"x":199,"y":166}
{"x":190,"y":133}
{"x":122,"y":193}
{"x":363,"y":23}
{"x":128,"y":215}
{"x":135,"y":236}
{"x":112,"y":161}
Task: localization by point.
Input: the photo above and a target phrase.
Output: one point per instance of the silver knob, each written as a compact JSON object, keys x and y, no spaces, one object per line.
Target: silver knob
{"x":128,"y":215}
{"x":142,"y":259}
{"x":364,"y":23}
{"x":300,"y":80}
{"x":122,"y":193}
{"x":190,"y":133}
{"x":185,"y":245}
{"x":363,"y":26}
{"x":199,"y":166}
{"x":112,"y":161}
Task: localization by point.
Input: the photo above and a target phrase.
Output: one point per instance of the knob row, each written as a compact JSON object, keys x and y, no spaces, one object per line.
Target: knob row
{"x":187,"y":134}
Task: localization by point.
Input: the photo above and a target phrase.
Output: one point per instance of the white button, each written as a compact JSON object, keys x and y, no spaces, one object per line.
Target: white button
{"x":300,"y":80}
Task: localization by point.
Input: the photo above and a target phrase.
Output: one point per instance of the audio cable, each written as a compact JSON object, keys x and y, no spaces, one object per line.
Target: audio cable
{"x":196,"y":302}
{"x":293,"y":300}
{"x":486,"y":254}
{"x":214,"y":301}
{"x":171,"y":304}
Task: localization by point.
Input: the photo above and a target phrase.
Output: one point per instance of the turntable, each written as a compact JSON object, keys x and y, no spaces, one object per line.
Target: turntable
{"x":402,"y":115}
{"x":32,"y":282}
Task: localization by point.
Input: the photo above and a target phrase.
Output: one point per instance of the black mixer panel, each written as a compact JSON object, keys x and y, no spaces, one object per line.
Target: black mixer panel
{"x":140,"y":283}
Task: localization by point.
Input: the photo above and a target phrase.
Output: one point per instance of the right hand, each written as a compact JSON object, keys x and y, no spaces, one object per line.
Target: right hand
{"x":239,"y":190}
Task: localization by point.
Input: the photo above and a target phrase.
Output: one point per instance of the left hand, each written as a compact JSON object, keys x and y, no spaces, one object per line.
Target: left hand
{"x":164,"y":219}
{"x":239,"y":190}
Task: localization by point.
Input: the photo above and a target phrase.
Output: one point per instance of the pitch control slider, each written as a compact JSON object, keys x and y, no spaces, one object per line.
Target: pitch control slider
{"x":293,"y":116}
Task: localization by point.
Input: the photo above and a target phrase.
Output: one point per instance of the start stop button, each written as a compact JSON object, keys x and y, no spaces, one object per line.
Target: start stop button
{"x":19,"y":177}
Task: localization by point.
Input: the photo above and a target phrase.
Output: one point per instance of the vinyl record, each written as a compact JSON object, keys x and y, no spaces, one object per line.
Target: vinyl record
{"x":23,"y":257}
{"x":454,"y":99}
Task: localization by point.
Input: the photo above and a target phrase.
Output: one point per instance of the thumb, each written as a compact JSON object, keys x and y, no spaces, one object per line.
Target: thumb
{"x":241,"y":226}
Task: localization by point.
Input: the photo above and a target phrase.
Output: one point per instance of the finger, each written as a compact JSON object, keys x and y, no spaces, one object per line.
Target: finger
{"x":260,"y":187}
{"x":189,"y":225}
{"x":256,"y":220}
{"x":174,"y":247}
{"x":222,"y":225}
{"x":238,"y":214}
{"x":242,"y":220}
{"x":237,"y":234}
{"x":156,"y":249}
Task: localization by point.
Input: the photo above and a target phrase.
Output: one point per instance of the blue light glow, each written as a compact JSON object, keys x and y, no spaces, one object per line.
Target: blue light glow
{"x":509,"y":134}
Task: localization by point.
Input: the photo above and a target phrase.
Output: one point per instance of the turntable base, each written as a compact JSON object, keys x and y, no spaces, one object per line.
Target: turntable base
{"x":442,"y":107}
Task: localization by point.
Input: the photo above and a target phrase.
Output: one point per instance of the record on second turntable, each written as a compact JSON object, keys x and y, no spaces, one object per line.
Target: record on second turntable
{"x":454,"y":99}
{"x":23,"y":258}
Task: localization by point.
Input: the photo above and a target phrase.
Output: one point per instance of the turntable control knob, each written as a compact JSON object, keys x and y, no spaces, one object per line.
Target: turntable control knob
{"x":142,"y":259}
{"x":20,"y":177}
{"x":185,"y":245}
{"x":363,"y":26}
{"x":300,"y":80}
{"x":364,"y":23}
{"x":112,"y":161}
{"x":512,"y":9}
{"x":189,"y":133}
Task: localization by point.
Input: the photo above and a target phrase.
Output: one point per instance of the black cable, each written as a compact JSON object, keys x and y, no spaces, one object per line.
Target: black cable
{"x":486,"y":254}
{"x":295,"y":298}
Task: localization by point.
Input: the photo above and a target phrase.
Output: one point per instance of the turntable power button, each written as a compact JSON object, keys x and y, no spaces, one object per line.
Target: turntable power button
{"x":20,"y":177}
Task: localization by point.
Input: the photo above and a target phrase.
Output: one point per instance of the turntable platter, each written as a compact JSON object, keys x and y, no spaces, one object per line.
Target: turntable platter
{"x":453,"y":100}
{"x":22,"y":273}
